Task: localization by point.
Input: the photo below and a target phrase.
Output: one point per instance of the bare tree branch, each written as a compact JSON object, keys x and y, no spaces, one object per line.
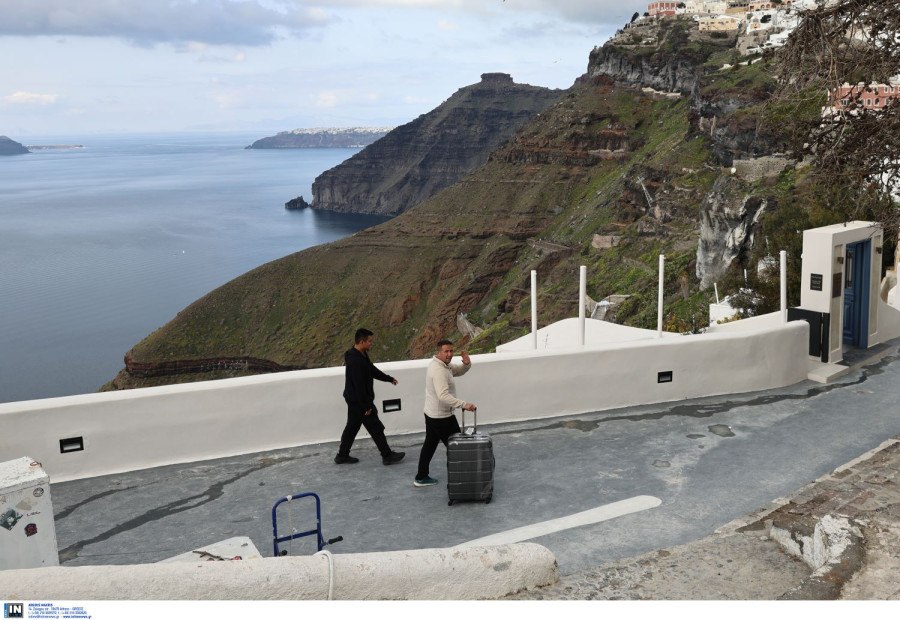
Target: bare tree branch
{"x":855,"y":42}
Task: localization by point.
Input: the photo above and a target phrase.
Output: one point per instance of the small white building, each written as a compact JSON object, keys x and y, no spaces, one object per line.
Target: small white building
{"x":840,"y":290}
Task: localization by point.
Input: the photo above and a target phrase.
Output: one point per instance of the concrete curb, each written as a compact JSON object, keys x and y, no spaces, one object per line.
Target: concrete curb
{"x":423,"y":574}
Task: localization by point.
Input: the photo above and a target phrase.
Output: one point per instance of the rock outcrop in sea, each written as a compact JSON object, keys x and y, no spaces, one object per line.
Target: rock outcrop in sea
{"x":296,"y":204}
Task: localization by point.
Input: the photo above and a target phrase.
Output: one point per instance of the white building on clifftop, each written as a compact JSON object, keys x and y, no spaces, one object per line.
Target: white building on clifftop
{"x":704,"y":7}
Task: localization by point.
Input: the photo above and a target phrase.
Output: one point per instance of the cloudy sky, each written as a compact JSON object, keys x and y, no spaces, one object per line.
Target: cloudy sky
{"x":106,"y":66}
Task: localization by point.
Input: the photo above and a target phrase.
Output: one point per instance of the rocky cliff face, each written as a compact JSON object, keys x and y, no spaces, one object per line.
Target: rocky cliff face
{"x":728,"y":221}
{"x":11,"y":147}
{"x":665,"y":55}
{"x":416,"y":160}
{"x":669,"y":74}
{"x":736,"y":134}
{"x":729,"y":213}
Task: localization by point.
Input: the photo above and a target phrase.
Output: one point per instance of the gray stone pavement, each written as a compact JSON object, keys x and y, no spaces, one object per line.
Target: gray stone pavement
{"x":718,"y":464}
{"x":743,"y":561}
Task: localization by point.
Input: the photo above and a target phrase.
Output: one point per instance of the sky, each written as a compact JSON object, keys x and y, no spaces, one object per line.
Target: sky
{"x":74,"y":67}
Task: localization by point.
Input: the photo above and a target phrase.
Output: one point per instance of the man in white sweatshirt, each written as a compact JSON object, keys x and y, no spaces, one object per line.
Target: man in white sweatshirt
{"x":440,"y":401}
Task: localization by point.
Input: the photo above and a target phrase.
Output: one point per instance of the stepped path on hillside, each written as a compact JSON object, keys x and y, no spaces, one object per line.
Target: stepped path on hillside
{"x":707,"y":461}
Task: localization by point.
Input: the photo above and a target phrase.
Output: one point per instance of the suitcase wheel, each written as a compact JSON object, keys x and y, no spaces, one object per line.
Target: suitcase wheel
{"x":488,"y":500}
{"x":450,"y":502}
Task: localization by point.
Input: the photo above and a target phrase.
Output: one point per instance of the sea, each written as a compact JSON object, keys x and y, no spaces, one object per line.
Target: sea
{"x":104,"y":243}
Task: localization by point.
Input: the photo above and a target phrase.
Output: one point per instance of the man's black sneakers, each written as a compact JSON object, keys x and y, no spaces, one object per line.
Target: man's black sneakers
{"x":341,"y":460}
{"x":393,"y":457}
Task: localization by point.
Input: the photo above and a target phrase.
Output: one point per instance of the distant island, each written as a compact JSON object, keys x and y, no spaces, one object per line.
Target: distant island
{"x":322,"y":137}
{"x":11,"y":147}
{"x":52,"y":147}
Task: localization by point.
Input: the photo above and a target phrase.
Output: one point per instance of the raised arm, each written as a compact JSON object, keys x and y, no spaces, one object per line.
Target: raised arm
{"x":461,"y":369}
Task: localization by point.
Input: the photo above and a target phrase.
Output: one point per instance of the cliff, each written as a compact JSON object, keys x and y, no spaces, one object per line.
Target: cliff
{"x":535,"y":204}
{"x":11,"y":147}
{"x":420,"y":158}
{"x":667,"y":55}
{"x":336,"y":137}
{"x":608,"y":159}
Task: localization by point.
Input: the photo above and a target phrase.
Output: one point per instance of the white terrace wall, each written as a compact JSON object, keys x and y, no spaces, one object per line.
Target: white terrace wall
{"x":754,"y":323}
{"x":417,"y":574}
{"x":888,"y":323}
{"x":136,"y":429}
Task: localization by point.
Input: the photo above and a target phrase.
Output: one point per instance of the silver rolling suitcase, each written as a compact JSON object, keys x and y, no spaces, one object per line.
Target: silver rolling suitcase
{"x":470,"y":465}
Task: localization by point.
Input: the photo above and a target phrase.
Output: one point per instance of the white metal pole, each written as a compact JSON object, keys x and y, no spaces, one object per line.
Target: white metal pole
{"x":582,"y":298}
{"x":534,"y":309}
{"x":659,"y":309}
{"x":783,"y":286}
{"x":716,"y":287}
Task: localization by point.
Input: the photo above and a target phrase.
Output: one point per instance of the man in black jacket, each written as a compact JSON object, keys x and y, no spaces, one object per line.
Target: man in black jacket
{"x":360,"y":397}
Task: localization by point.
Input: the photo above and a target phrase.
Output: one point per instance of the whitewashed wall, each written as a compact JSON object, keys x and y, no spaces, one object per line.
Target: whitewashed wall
{"x":888,"y":323}
{"x":754,"y":323}
{"x":136,"y":429}
{"x":417,"y":574}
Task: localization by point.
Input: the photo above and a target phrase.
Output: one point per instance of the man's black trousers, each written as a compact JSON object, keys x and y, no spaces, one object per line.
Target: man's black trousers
{"x":356,"y":419}
{"x":437,"y":430}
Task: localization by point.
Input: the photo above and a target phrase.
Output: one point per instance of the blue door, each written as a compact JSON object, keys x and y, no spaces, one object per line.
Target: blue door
{"x":857,"y":264}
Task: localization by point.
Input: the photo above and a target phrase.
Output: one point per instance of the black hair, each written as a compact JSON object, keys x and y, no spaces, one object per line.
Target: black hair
{"x":361,"y":334}
{"x":444,"y":341}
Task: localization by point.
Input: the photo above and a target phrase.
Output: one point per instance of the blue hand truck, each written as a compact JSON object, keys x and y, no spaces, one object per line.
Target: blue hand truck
{"x":320,"y":540}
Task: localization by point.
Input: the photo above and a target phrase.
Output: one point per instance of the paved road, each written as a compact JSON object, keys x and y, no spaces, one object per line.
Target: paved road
{"x":708,"y":460}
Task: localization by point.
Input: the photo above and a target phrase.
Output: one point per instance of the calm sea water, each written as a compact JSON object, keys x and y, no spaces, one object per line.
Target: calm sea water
{"x":102,"y":245}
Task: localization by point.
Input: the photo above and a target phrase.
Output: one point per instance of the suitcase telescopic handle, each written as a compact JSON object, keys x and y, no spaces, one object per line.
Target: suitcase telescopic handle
{"x":474,"y":423}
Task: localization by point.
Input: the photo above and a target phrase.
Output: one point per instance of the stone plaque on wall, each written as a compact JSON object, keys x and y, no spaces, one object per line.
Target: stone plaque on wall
{"x":815,"y":282}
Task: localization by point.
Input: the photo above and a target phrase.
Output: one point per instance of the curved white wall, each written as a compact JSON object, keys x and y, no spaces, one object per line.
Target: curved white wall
{"x":422,"y":574}
{"x":135,"y":429}
{"x":754,"y":323}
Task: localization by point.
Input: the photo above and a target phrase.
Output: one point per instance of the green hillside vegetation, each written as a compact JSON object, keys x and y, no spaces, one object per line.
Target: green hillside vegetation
{"x":574,"y":171}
